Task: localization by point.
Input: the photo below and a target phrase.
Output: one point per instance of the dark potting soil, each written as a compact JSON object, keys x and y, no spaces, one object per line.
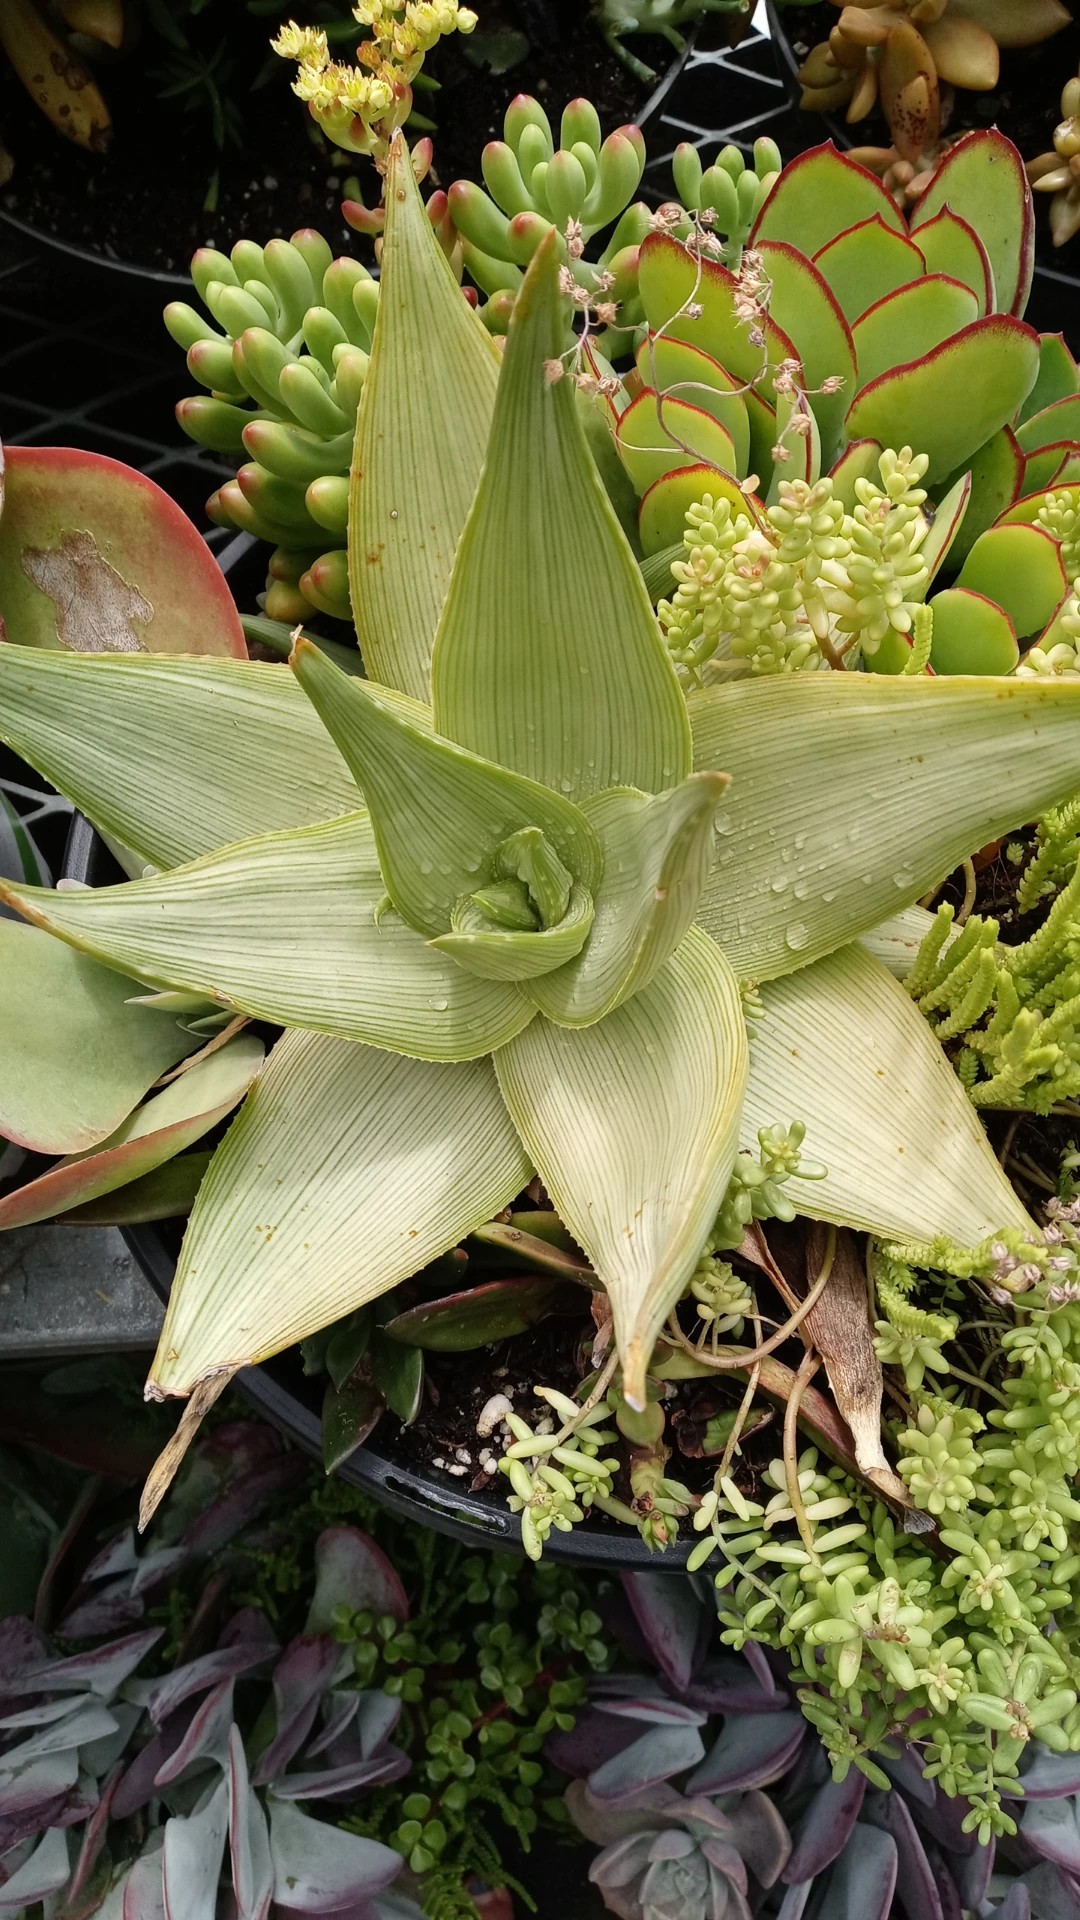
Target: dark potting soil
{"x":161,"y":189}
{"x":1026,"y":105}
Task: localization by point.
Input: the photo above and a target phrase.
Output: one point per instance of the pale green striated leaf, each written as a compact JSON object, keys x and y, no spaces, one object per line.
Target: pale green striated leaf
{"x":852,"y":794}
{"x":439,"y":812}
{"x":548,"y":657}
{"x":896,"y":942}
{"x":420,"y":438}
{"x":633,"y":1126}
{"x":156,"y":1132}
{"x":346,"y":1171}
{"x":658,"y":853}
{"x":842,"y":1048}
{"x":76,"y":1056}
{"x":174,"y":756}
{"x":284,"y":928}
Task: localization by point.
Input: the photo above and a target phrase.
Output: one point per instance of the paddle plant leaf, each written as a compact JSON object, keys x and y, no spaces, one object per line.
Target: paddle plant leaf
{"x":822,"y":338}
{"x":982,"y":180}
{"x":346,"y":1171}
{"x":96,"y":557}
{"x":421,"y":435}
{"x":864,"y":263}
{"x":173,"y":757}
{"x":819,"y":195}
{"x":549,"y":659}
{"x":949,"y":244}
{"x":842,"y":1045}
{"x":440,"y":813}
{"x":658,"y":854}
{"x":77,"y":1055}
{"x":164,"y":1126}
{"x":950,"y":402}
{"x":633,"y":1125}
{"x":1058,"y":377}
{"x":852,"y":794}
{"x":672,"y":282}
{"x":287,"y":928}
{"x":919,"y":317}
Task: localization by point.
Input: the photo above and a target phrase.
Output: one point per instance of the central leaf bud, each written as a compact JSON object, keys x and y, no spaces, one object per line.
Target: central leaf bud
{"x":530,"y":887}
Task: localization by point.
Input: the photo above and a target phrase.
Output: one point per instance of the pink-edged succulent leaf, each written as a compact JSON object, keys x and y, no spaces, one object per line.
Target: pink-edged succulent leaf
{"x":950,"y":402}
{"x":191,"y":1856}
{"x":100,"y":1671}
{"x":594,"y":1738}
{"x":346,"y":1781}
{"x":169,"y":1193}
{"x":1049,"y":465}
{"x":866,"y":262}
{"x":96,"y":557}
{"x":351,"y":1571}
{"x":910,"y":322}
{"x":322,"y":1870}
{"x":169,"y":1122}
{"x":982,"y":179}
{"x":1051,"y":1775}
{"x":674,"y":1625}
{"x":1020,"y":569}
{"x":38,"y":1877}
{"x":819,"y":195}
{"x":249,"y":1841}
{"x":459,"y":1322}
{"x":239,"y":1505}
{"x":826,"y":1827}
{"x":996,"y":472}
{"x":949,"y":244}
{"x":38,"y":1782}
{"x":752,"y":1750}
{"x":300,"y":1679}
{"x":206,"y":1739}
{"x":663,"y":509}
{"x":760,"y":1836}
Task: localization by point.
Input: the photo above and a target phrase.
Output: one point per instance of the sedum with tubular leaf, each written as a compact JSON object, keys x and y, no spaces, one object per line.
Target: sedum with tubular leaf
{"x":503,"y":894}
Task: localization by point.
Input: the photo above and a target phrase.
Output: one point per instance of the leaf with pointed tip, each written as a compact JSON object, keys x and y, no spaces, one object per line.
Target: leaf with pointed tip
{"x":915,"y":1884}
{"x":300,"y":1679}
{"x":97,"y":557}
{"x":982,"y":180}
{"x":320,"y":1869}
{"x":549,"y":659}
{"x":841,"y":1046}
{"x":752,"y":1750}
{"x":43,"y":1874}
{"x":439,"y":812}
{"x":825,"y":1828}
{"x":191,"y":1857}
{"x":249,"y":1842}
{"x":176,"y":757}
{"x":499,"y":953}
{"x":950,"y":402}
{"x":421,"y":436}
{"x":285,"y":929}
{"x":495,"y":1310}
{"x":345,"y":1172}
{"x":166,"y":1194}
{"x":350,"y":1414}
{"x":633,"y":1126}
{"x":172,"y":1120}
{"x":672,"y":1622}
{"x":658,"y":853}
{"x":658,"y":1755}
{"x":77,"y":1055}
{"x":997,"y":480}
{"x":852,"y":794}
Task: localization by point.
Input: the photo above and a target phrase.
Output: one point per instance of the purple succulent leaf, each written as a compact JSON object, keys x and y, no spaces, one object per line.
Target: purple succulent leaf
{"x":23,"y":1826}
{"x":752,"y":1750}
{"x":100,"y":1671}
{"x":971,"y":1873}
{"x":21,"y":1645}
{"x":144,"y":1897}
{"x":43,"y":1873}
{"x":1050,"y":1774}
{"x":659,"y":1712}
{"x":155,"y":1568}
{"x":340,"y":1783}
{"x":376,"y":1720}
{"x":658,"y":1755}
{"x":99,"y":1757}
{"x":674,"y":1624}
{"x":727,"y":1860}
{"x":863,"y":1881}
{"x":300,"y":1679}
{"x":43,"y":1715}
{"x":31,"y":1787}
{"x":905,"y":1770}
{"x":351,"y":1571}
{"x":206,"y":1740}
{"x":825,"y":1827}
{"x":760,"y":1662}
{"x":602,"y":1823}
{"x":340,"y":1710}
{"x":236,"y":1509}
{"x":944,"y":1820}
{"x":120,"y":1556}
{"x":793,"y":1904}
{"x":87,"y":1722}
{"x":727,"y":1686}
{"x":1054,"y":1894}
{"x":593,"y":1738}
{"x":191,"y":1856}
{"x":107,"y":1611}
{"x":1016,"y":1904}
{"x":319,"y":1868}
{"x":760,"y":1833}
{"x":249,"y":1841}
{"x":623,"y":1863}
{"x":198,"y":1676}
{"x":93,"y":1838}
{"x":1051,"y":1829}
{"x":248,"y":1628}
{"x":138,"y":1782}
{"x":916,"y":1889}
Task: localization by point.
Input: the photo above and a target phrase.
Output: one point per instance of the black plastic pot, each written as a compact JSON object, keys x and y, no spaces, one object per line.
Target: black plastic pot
{"x":1054,"y":306}
{"x":279,"y":1388}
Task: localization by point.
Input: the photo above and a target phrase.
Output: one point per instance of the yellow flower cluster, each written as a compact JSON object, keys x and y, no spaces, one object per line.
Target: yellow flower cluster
{"x":360,"y":107}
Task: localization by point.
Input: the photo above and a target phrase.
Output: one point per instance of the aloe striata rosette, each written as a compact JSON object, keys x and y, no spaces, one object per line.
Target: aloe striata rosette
{"x":525,"y":951}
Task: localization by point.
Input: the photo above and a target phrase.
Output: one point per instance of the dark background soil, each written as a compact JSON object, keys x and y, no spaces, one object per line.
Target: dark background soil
{"x":145,"y":199}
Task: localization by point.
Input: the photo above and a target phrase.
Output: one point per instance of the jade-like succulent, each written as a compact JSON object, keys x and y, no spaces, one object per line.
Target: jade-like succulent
{"x":523,"y":953}
{"x":1058,"y":173}
{"x":618,"y":19}
{"x":904,"y":54}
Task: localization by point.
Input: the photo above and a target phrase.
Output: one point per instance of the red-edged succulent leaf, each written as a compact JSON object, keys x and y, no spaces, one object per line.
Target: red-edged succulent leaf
{"x":945,"y":527}
{"x":820,"y":194}
{"x":1024,"y":512}
{"x":300,"y":1679}
{"x":209,"y":1670}
{"x":982,"y":179}
{"x":459,"y":1322}
{"x":351,"y":1571}
{"x":1058,"y":376}
{"x":657,"y":436}
{"x":859,"y":461}
{"x":664,"y":505}
{"x":96,"y":557}
{"x":168,"y":1193}
{"x":952,"y":400}
{"x":1020,"y":569}
{"x":1056,"y":422}
{"x":997,"y":475}
{"x":865,"y":263}
{"x":669,"y":280}
{"x":752,"y":1750}
{"x":680,"y":371}
{"x":971,"y":634}
{"x":808,"y":311}
{"x":1048,"y":465}
{"x":951,"y":245}
{"x":913,"y":320}
{"x":206,"y":1739}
